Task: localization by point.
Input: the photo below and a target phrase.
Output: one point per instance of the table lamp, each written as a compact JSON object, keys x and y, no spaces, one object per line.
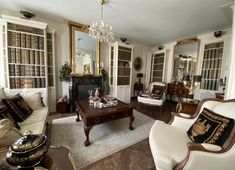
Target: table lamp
{"x":192,"y":83}
{"x":139,"y":75}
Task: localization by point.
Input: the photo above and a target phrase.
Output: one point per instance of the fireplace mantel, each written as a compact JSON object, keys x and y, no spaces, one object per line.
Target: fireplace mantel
{"x":78,"y":84}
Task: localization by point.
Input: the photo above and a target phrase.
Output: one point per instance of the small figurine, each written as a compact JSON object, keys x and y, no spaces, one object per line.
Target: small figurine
{"x":86,"y":69}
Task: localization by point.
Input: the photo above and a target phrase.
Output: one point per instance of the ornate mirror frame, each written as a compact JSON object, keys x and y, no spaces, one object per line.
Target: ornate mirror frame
{"x":78,"y":27}
{"x":190,"y":61}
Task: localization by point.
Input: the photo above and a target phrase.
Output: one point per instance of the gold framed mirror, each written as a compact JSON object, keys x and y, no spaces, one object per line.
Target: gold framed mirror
{"x":185,"y":57}
{"x":84,"y":51}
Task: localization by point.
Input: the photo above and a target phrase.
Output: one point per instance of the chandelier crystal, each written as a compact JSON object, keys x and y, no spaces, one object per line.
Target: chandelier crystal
{"x":100,"y":30}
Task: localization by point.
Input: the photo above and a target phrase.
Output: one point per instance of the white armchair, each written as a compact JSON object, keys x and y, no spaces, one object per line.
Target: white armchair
{"x":149,"y":97}
{"x":172,"y":148}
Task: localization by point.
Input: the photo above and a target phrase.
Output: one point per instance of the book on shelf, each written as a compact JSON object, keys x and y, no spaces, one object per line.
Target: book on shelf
{"x":18,"y":56}
{"x":37,"y":70}
{"x":28,"y":83}
{"x":27,"y":58}
{"x":23,"y":41}
{"x":17,"y":39}
{"x":22,"y":70}
{"x":37,"y":57}
{"x":32,"y":57}
{"x":43,"y":82}
{"x":12,"y":55}
{"x":32,"y":70}
{"x":23,"y":61}
{"x":28,"y":41}
{"x":41,"y":43}
{"x":12,"y":70}
{"x":11,"y":38}
{"x":38,"y":82}
{"x":12,"y":83}
{"x":42,"y":71}
{"x":42,"y":62}
{"x":17,"y":70}
{"x":27,"y":70}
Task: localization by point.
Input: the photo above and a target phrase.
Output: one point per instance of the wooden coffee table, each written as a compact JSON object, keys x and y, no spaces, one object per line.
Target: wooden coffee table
{"x":93,"y":116}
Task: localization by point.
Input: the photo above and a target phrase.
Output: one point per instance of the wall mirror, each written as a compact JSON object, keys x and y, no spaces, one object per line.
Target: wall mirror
{"x":185,"y":58}
{"x":84,"y":50}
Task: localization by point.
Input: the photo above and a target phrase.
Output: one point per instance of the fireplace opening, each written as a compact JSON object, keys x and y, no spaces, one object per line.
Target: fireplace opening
{"x":83,"y":90}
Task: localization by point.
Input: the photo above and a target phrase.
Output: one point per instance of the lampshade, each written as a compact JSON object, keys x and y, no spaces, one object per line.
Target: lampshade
{"x":186,"y":77}
{"x":139,"y":74}
{"x":197,"y":78}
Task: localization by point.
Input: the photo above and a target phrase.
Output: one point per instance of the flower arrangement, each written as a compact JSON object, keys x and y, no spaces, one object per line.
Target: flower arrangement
{"x":65,"y":71}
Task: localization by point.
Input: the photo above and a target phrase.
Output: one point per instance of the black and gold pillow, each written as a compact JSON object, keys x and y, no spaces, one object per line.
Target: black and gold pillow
{"x":210,"y":128}
{"x":5,"y":114}
{"x":157,"y":91}
{"x":19,"y":109}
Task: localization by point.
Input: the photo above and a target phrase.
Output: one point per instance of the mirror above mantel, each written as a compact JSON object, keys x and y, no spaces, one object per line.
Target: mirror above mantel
{"x":84,"y":51}
{"x":185,"y":58}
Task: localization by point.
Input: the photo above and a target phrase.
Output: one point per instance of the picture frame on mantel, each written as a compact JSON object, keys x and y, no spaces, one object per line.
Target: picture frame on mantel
{"x":84,"y":51}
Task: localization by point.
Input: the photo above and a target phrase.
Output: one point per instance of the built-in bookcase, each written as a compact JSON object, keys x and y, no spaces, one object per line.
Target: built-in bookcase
{"x":26,"y":56}
{"x":211,"y":66}
{"x":120,"y":69}
{"x":157,"y":67}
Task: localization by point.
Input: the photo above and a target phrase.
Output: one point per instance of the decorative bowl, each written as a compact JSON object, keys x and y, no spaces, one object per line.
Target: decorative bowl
{"x":28,"y":151}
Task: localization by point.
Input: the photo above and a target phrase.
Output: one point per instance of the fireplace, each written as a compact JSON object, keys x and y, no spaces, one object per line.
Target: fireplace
{"x":79,"y":86}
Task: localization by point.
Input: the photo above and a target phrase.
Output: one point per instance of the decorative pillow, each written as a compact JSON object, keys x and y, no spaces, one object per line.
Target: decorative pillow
{"x":33,"y":100}
{"x":19,"y":109}
{"x":5,"y":114}
{"x":2,"y":95}
{"x":210,"y":128}
{"x":157,"y":91}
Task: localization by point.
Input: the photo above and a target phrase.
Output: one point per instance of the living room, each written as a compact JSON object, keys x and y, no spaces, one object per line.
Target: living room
{"x":160,"y":30}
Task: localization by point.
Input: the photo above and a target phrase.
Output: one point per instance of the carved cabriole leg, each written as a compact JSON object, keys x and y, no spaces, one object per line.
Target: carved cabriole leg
{"x":132,"y":118}
{"x":87,"y":131}
{"x":77,"y":112}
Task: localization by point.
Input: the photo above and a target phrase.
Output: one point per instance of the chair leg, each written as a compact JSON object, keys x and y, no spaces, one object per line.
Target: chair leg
{"x":161,"y":109}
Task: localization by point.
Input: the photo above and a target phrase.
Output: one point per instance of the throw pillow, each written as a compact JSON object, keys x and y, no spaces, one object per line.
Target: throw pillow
{"x":19,"y":109}
{"x":157,"y":91}
{"x":33,"y":100}
{"x":5,"y":114}
{"x":210,"y":128}
{"x":2,"y":95}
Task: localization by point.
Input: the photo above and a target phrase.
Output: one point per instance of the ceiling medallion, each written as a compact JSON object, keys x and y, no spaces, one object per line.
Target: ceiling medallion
{"x":100,"y":30}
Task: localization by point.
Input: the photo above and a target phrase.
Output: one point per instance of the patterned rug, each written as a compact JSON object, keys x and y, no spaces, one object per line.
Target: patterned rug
{"x":105,"y":139}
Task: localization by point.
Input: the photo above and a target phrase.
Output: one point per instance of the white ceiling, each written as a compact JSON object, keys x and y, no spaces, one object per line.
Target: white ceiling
{"x":148,"y":22}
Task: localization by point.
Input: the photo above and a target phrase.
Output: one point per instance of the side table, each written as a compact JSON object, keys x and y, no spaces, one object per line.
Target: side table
{"x":57,"y":158}
{"x":188,"y":106}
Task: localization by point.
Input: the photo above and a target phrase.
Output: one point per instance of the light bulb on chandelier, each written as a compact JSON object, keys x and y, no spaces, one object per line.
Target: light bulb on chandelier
{"x":100,"y":30}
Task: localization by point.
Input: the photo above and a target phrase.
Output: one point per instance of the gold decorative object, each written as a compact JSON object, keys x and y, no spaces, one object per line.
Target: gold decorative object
{"x":200,"y":128}
{"x":28,"y":151}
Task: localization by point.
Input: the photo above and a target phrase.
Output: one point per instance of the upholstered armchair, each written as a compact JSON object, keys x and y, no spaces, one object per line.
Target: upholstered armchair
{"x":155,"y":95}
{"x":175,"y":145}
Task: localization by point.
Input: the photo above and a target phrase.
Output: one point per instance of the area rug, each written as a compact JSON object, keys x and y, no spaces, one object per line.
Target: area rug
{"x":105,"y":139}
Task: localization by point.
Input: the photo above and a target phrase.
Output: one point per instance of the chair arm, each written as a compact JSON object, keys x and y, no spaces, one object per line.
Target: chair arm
{"x":181,"y":120}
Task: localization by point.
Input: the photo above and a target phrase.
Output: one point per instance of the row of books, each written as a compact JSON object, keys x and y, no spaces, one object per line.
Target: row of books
{"x":124,"y":71}
{"x":123,"y":80}
{"x":24,"y":28}
{"x":20,"y":70}
{"x":25,"y":40}
{"x":16,"y":83}
{"x":24,"y":56}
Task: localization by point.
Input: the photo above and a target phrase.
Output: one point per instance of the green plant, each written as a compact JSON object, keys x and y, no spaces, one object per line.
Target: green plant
{"x":65,"y":71}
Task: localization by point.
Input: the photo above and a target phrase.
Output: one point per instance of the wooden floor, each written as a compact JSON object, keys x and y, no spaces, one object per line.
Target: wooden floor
{"x":135,"y":157}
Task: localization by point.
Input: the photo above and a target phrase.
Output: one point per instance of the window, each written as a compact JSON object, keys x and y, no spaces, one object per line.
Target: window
{"x":211,"y":66}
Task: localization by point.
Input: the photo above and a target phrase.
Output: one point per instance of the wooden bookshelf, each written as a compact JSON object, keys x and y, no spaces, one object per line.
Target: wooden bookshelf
{"x":26,"y":56}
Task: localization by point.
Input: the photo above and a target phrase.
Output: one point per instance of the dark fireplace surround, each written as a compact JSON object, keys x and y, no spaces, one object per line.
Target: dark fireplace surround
{"x":79,"y":86}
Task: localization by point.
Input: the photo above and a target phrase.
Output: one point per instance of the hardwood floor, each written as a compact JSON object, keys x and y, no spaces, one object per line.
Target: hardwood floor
{"x":135,"y":157}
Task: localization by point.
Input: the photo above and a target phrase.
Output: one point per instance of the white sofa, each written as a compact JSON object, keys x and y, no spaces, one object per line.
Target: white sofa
{"x":36,"y":122}
{"x":172,"y":148}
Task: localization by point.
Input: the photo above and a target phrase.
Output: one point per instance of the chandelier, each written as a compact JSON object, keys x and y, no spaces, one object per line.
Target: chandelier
{"x":100,"y":30}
